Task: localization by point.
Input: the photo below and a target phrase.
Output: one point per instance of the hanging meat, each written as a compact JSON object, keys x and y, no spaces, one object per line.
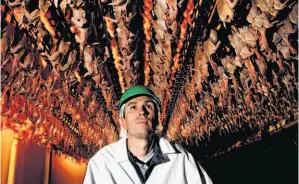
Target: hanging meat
{"x":223,"y":67}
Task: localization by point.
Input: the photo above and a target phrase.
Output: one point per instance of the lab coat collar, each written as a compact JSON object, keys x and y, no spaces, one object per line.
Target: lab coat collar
{"x":120,"y":149}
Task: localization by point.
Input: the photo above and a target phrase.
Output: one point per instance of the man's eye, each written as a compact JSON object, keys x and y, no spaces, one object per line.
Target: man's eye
{"x":149,"y":106}
{"x":133,"y":107}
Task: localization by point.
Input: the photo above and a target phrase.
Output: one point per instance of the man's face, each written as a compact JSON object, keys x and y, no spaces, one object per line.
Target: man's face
{"x":139,"y":117}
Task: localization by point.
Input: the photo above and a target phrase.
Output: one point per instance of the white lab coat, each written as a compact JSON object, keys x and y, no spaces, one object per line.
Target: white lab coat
{"x":111,"y":165}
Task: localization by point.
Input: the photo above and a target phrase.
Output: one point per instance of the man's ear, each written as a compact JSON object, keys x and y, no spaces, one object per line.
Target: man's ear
{"x":123,"y":128}
{"x":122,"y":123}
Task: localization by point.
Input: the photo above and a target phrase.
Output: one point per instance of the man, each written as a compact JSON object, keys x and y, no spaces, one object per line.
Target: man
{"x":141,"y":156}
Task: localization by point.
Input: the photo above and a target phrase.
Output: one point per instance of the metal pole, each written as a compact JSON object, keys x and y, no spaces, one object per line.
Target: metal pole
{"x":47,"y":164}
{"x":13,"y":160}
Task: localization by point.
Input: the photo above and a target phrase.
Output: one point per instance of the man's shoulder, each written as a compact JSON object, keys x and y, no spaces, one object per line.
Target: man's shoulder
{"x":107,"y":152}
{"x":100,"y":155}
{"x":180,"y":150}
{"x":172,"y":146}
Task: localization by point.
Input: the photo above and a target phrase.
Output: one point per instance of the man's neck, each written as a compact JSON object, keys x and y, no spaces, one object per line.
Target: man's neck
{"x":140,"y":147}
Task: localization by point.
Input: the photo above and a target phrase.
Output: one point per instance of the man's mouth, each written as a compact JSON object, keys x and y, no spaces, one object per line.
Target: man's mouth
{"x":141,"y":121}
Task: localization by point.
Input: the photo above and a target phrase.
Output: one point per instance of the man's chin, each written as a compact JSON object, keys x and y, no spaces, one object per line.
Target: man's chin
{"x":143,"y":135}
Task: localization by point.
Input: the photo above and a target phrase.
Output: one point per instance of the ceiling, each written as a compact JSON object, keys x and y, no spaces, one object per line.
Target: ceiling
{"x":221,"y":68}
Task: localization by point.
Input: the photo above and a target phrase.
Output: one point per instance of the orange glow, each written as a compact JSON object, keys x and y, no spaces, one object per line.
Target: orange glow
{"x":47,"y":163}
{"x":78,"y":117}
{"x":17,"y":119}
{"x":19,"y":101}
{"x":117,"y":64}
{"x":173,"y":4}
{"x":46,"y":22}
{"x":27,"y":124}
{"x":109,"y":25}
{"x":147,"y":6}
{"x":238,"y":144}
{"x":6,"y":141}
{"x":176,"y":65}
{"x":147,"y":18}
{"x":8,"y":18}
{"x":4,"y":122}
{"x":66,"y":169}
{"x":183,"y":27}
{"x":146,"y":65}
{"x":109,"y":134}
{"x":73,"y":29}
{"x":13,"y":161}
{"x":146,"y":26}
{"x":3,"y":103}
{"x":27,"y":156}
{"x":77,"y":75}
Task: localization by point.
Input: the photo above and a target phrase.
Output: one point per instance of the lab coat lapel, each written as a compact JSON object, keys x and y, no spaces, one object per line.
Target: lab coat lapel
{"x":130,"y":171}
{"x":120,"y":154}
{"x":158,"y":171}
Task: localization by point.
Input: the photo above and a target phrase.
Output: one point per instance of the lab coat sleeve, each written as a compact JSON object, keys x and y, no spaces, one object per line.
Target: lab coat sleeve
{"x":207,"y":178}
{"x":98,"y":173}
{"x":194,"y":173}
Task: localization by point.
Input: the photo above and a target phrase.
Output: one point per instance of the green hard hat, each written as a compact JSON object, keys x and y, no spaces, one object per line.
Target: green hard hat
{"x":136,"y":91}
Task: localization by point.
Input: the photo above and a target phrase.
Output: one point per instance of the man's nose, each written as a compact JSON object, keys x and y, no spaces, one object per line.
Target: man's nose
{"x":143,"y":111}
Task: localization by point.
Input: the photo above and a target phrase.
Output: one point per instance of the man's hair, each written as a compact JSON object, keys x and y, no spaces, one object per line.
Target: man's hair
{"x":122,"y":111}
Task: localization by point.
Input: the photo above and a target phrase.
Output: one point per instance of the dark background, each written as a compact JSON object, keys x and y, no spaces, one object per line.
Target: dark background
{"x":273,"y":160}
